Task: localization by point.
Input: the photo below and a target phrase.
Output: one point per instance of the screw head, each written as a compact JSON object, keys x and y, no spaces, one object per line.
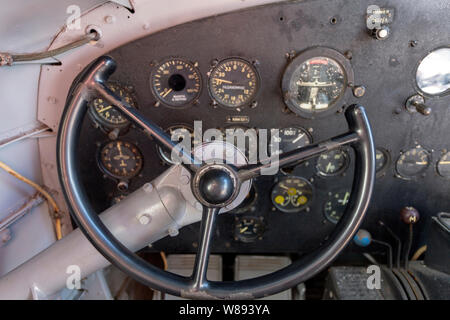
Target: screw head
{"x":145,"y":219}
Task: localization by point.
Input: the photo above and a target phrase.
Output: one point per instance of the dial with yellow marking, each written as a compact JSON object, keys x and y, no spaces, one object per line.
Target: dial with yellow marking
{"x":248,"y":229}
{"x":413,"y":162}
{"x":234,"y":83}
{"x":335,"y":205}
{"x":109,"y":115}
{"x":333,"y":162}
{"x":176,"y":82}
{"x":292,"y":194}
{"x":121,"y":159}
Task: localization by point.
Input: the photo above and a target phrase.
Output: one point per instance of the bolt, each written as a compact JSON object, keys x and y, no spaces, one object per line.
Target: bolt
{"x":173,"y":232}
{"x":359,"y":91}
{"x":382,"y":33}
{"x":110,"y":19}
{"x":145,"y":219}
{"x":146,"y":26}
{"x":147,"y":187}
{"x":413,"y":43}
{"x":348,"y":54}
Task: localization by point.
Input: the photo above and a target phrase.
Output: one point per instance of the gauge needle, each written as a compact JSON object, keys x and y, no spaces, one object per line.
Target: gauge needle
{"x":329,"y":166}
{"x":298,"y":138}
{"x":421,"y":162}
{"x":445,"y":162}
{"x":167,"y":92}
{"x":345,"y":200}
{"x":104,"y":109}
{"x":243,"y":230}
{"x":219,"y":81}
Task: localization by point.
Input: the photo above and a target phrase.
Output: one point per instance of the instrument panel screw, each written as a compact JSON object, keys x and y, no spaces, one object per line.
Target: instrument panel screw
{"x":413,"y":43}
{"x":110,"y":19}
{"x":147,"y":187}
{"x":359,"y":91}
{"x":348,"y":54}
{"x":173,"y":232}
{"x":254,"y":104}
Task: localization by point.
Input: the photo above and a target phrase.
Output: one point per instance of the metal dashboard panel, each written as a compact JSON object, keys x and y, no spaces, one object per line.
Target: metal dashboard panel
{"x":267,"y":34}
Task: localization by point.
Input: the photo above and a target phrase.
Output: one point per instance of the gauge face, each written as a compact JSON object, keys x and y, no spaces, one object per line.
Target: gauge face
{"x":315,"y":81}
{"x":109,"y":115}
{"x":176,"y":82}
{"x":333,"y":162}
{"x":413,"y":162}
{"x":381,"y":159}
{"x":120,"y":159}
{"x":318,"y":83}
{"x":234,"y":83}
{"x":443,"y":165}
{"x":177,"y":134}
{"x":292,"y":194}
{"x":335,"y":205}
{"x":290,"y":139}
{"x":248,"y":229}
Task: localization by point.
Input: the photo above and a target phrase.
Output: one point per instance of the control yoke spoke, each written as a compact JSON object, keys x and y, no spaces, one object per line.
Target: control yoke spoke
{"x":161,"y":137}
{"x":293,"y":157}
{"x":202,"y":258}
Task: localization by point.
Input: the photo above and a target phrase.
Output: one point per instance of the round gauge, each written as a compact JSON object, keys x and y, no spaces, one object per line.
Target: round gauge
{"x":109,"y":115}
{"x":248,"y":229}
{"x":176,"y":82}
{"x":121,"y":159}
{"x":233,"y":83}
{"x":443,"y":165}
{"x":248,"y":202}
{"x":335,"y":205}
{"x":315,"y":81}
{"x":178,"y":133}
{"x":413,"y":162}
{"x":333,"y":162}
{"x":292,"y":194}
{"x":290,"y":139}
{"x":382,"y":159}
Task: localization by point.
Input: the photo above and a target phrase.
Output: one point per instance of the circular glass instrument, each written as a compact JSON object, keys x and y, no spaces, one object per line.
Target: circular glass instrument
{"x":333,"y":162}
{"x":335,"y":205}
{"x":315,"y":81}
{"x":233,"y":83}
{"x":107,"y":114}
{"x":289,"y":139}
{"x":443,"y":165}
{"x":292,"y":194}
{"x":176,"y":82}
{"x":120,"y":159}
{"x":248,"y":229}
{"x":413,"y":162}
{"x":433,"y":72}
{"x":178,"y":134}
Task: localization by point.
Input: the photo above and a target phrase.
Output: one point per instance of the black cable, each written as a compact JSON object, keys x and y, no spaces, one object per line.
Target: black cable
{"x":408,"y":246}
{"x":389,"y":250}
{"x":399,"y":242}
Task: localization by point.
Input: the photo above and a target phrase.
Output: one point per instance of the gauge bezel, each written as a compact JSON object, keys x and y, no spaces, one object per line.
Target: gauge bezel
{"x":333,"y":192}
{"x":382,"y":172}
{"x":299,"y":59}
{"x":416,"y":85}
{"x":308,"y":134}
{"x":301,"y":208}
{"x":111,"y":174}
{"x":443,"y":154}
{"x":154,"y":69}
{"x":253,"y":65}
{"x":258,"y":236}
{"x":423,"y":171}
{"x":105,"y":125}
{"x":344,"y":168}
